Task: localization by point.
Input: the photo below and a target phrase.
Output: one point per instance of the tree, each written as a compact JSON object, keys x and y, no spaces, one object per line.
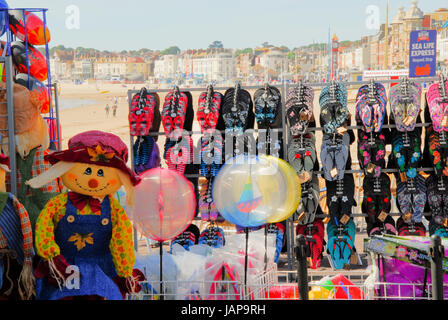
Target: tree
{"x":216,"y":45}
{"x":171,"y":50}
{"x":243,"y":51}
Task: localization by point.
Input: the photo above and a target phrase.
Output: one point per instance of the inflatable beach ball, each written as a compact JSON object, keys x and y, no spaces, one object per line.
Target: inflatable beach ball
{"x":250,"y":191}
{"x":165,"y":204}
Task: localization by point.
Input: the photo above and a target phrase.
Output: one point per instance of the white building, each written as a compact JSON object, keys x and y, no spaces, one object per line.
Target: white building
{"x":58,"y":68}
{"x":274,"y":60}
{"x":82,"y":70}
{"x":108,"y":67}
{"x":167,"y":66}
{"x":215,"y":66}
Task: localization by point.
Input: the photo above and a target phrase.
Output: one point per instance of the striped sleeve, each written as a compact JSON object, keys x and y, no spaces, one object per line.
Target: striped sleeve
{"x":26,"y":229}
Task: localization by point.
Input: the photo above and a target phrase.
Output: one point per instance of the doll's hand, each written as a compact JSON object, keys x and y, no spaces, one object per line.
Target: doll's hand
{"x":60,"y":264}
{"x":127,"y":286}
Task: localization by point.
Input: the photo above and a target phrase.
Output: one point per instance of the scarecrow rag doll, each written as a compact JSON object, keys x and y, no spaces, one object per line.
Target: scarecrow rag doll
{"x":86,"y":229}
{"x":16,"y":244}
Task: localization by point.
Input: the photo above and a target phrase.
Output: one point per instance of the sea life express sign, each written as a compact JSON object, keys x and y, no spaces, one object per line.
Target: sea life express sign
{"x":423,"y":53}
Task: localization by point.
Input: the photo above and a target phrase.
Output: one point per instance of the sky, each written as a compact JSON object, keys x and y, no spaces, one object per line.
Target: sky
{"x":117,"y":25}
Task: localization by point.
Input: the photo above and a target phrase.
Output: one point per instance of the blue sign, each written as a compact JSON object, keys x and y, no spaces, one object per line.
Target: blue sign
{"x":423,"y":53}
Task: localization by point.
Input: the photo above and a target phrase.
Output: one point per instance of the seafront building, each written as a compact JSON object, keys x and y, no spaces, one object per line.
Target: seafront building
{"x":265,"y":62}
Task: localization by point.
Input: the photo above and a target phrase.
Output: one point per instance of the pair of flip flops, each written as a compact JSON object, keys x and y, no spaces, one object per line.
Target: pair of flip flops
{"x":299,"y":108}
{"x":309,"y":202}
{"x":237,"y":109}
{"x":302,"y":154}
{"x":377,"y":197}
{"x":410,"y":228}
{"x":333,"y":105}
{"x":436,"y":98}
{"x":212,"y":236}
{"x":412,"y":202}
{"x":212,"y":147}
{"x":341,"y":242}
{"x":436,"y":188}
{"x":334,"y":155}
{"x":314,"y":234}
{"x":406,"y":152}
{"x":371,"y":102}
{"x":382,"y":228}
{"x":340,"y":197}
{"x":146,"y":154}
{"x":207,"y":208}
{"x":405,"y":102}
{"x":438,"y":153}
{"x":177,"y":112}
{"x":209,"y":107}
{"x":144,"y":114}
{"x":267,"y":103}
{"x":179,"y":153}
{"x":371,"y":152}
{"x":335,"y":90}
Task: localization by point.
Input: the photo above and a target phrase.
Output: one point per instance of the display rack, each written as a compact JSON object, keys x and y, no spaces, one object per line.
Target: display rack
{"x":52,"y":115}
{"x":284,"y":88}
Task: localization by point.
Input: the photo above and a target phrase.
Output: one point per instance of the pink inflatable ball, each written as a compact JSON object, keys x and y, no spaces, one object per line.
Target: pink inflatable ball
{"x":165,"y":204}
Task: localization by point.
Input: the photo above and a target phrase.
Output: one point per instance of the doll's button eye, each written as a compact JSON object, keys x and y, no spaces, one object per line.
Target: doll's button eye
{"x":70,"y":219}
{"x":100,"y":173}
{"x":105,"y":222}
{"x":88,"y":171}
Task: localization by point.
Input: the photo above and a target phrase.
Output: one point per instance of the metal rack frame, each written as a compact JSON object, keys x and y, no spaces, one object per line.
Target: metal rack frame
{"x":9,"y":72}
{"x":284,"y":88}
{"x":7,"y":61}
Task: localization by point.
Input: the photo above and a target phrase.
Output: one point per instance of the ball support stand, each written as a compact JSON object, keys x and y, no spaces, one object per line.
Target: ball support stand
{"x":289,"y":232}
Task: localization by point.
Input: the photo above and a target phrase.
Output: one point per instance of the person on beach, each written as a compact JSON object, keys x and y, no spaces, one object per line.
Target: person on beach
{"x":107,"y":110}
{"x":114,"y":109}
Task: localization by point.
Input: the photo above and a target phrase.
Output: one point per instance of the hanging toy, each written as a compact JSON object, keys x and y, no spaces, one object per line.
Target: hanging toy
{"x":36,"y":32}
{"x":36,"y":64}
{"x":83,"y":236}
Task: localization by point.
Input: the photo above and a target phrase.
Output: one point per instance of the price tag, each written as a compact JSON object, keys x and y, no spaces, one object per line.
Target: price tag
{"x":333,"y":172}
{"x":407,"y":217}
{"x":345,"y":218}
{"x":382,"y":216}
{"x":301,"y":217}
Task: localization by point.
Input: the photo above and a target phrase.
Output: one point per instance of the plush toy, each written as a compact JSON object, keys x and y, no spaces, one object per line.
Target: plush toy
{"x":86,"y":230}
{"x":16,"y":244}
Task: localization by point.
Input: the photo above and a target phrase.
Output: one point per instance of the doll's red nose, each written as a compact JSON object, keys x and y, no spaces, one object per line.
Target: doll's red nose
{"x":93,"y":183}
